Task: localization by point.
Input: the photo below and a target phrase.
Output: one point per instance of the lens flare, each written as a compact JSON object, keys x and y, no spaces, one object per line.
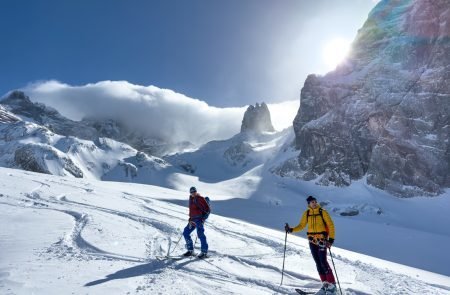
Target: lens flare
{"x":335,"y":51}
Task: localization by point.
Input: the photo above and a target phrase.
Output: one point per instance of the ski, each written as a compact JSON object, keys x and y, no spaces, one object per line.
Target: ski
{"x":171,"y":257}
{"x":180,"y":257}
{"x":303,"y":292}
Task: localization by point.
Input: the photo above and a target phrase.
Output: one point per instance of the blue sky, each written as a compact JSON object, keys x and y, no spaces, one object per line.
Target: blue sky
{"x":226,"y":53}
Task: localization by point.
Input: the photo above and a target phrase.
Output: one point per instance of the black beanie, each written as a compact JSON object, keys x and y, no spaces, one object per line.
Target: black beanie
{"x":310,"y":198}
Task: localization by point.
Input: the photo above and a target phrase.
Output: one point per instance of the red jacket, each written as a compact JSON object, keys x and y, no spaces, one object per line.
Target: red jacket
{"x":198,"y":207}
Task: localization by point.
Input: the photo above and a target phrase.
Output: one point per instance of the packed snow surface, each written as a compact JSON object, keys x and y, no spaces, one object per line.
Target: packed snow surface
{"x":63,"y":235}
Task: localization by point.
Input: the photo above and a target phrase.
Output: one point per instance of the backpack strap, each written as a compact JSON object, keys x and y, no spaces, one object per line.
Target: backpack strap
{"x":200,"y":207}
{"x":321,"y":215}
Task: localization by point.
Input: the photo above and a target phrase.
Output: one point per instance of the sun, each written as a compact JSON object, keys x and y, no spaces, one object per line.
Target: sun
{"x":335,"y":52}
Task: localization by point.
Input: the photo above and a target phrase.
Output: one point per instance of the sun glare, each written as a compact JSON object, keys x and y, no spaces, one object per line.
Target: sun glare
{"x":335,"y":51}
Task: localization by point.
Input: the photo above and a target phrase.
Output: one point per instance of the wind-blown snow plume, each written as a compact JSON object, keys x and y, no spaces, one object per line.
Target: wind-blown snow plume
{"x":159,"y":113}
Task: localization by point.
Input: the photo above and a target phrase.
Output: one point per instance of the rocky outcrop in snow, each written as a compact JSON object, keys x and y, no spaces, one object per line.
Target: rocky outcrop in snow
{"x":384,"y":113}
{"x":257,"y":119}
{"x":237,"y":155}
{"x":129,"y":169}
{"x":7,"y":117}
{"x":41,"y":158}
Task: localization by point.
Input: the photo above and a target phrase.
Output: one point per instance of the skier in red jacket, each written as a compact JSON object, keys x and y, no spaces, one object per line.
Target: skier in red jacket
{"x":198,"y":212}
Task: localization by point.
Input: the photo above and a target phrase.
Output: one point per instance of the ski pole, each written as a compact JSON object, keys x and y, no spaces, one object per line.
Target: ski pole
{"x":284,"y":256}
{"x":168,"y":254}
{"x":337,"y":278}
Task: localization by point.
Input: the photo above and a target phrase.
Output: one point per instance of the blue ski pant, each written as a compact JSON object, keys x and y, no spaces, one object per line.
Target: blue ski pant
{"x":190,"y":227}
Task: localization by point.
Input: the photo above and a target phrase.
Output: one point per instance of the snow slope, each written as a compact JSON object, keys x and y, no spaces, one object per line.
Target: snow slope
{"x":64,"y":235}
{"x":250,"y":177}
{"x":238,"y":175}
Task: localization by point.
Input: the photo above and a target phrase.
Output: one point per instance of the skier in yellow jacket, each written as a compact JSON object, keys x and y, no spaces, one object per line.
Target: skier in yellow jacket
{"x":321,"y":236}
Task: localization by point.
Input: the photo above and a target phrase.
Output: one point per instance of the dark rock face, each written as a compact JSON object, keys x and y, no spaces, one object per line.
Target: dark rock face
{"x":7,"y":117}
{"x":24,"y":158}
{"x":257,"y":119}
{"x":237,"y":155}
{"x":384,"y":113}
{"x":33,"y":158}
{"x":20,"y":104}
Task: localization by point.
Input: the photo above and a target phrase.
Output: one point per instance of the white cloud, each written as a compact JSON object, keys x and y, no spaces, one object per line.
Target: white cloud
{"x":283,"y":113}
{"x":156,"y":112}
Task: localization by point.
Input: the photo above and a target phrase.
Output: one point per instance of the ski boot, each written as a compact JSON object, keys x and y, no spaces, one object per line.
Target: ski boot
{"x":188,"y":253}
{"x":327,"y":289}
{"x":202,"y":255}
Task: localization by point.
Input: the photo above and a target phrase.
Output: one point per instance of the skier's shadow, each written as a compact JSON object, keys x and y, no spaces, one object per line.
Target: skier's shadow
{"x":154,"y":267}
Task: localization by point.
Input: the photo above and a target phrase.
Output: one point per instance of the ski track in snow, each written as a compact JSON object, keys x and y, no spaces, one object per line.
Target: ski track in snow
{"x":241,"y":263}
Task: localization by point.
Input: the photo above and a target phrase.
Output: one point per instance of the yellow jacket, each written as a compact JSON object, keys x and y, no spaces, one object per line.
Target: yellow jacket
{"x":315,"y":222}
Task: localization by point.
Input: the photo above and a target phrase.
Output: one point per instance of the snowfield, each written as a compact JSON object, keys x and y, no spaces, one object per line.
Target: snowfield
{"x":62,"y":235}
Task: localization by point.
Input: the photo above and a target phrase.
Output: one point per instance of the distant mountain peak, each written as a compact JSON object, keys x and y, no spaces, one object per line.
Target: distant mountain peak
{"x":16,"y":97}
{"x":257,"y":119}
{"x":20,"y":104}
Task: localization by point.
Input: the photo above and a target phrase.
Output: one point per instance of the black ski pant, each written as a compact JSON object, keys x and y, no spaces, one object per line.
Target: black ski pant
{"x":320,"y":257}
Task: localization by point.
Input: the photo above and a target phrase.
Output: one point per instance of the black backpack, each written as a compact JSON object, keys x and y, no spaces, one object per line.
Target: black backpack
{"x":208,"y":201}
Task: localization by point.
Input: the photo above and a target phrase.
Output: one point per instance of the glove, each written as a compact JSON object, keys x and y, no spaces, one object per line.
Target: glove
{"x":191,"y":223}
{"x":287,"y":228}
{"x":330,"y":242}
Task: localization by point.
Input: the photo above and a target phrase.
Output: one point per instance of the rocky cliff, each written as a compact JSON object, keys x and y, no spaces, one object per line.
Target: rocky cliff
{"x":257,"y":119}
{"x":384,"y":113}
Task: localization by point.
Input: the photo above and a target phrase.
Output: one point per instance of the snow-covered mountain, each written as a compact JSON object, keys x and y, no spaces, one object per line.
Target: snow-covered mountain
{"x":246,"y":176}
{"x":88,"y":128}
{"x":379,"y":122}
{"x":33,"y":147}
{"x":37,"y":138}
{"x":384,"y":114}
{"x":74,"y":236}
